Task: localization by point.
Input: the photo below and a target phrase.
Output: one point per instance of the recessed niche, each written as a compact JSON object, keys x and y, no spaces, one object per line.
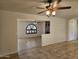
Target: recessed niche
{"x":47,"y":27}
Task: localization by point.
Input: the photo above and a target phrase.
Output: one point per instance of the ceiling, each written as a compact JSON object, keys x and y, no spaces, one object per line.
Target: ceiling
{"x":29,"y":7}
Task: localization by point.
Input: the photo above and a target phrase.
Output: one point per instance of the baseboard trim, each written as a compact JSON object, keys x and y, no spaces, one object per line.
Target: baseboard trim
{"x":45,"y":44}
{"x":3,"y":55}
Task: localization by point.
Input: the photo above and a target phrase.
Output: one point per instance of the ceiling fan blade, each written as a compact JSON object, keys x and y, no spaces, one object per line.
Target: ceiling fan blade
{"x":40,"y":8}
{"x":55,"y":4}
{"x":42,"y":11}
{"x":67,"y":7}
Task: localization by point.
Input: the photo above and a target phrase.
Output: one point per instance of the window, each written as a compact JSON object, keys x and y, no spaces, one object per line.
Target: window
{"x":31,"y":29}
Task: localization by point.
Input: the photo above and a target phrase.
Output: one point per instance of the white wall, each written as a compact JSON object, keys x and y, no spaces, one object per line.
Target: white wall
{"x":41,"y":27}
{"x":72,"y":29}
{"x":0,"y":34}
{"x":8,"y":33}
{"x":58,"y":32}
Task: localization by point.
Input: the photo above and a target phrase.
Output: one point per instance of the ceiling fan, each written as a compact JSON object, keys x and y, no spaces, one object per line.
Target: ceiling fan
{"x":51,"y":8}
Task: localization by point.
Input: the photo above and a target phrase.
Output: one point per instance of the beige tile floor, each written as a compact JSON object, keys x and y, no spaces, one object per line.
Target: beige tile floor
{"x":64,"y":50}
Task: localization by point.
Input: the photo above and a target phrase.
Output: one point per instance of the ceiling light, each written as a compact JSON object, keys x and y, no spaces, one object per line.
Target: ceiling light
{"x":48,"y":13}
{"x":53,"y":13}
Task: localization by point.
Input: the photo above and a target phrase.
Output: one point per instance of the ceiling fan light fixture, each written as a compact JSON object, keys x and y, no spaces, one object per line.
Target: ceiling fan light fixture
{"x":48,"y":13}
{"x":54,"y":13}
{"x":52,"y":7}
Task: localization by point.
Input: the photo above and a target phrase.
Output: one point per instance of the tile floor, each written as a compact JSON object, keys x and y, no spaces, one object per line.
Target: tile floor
{"x":64,"y":50}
